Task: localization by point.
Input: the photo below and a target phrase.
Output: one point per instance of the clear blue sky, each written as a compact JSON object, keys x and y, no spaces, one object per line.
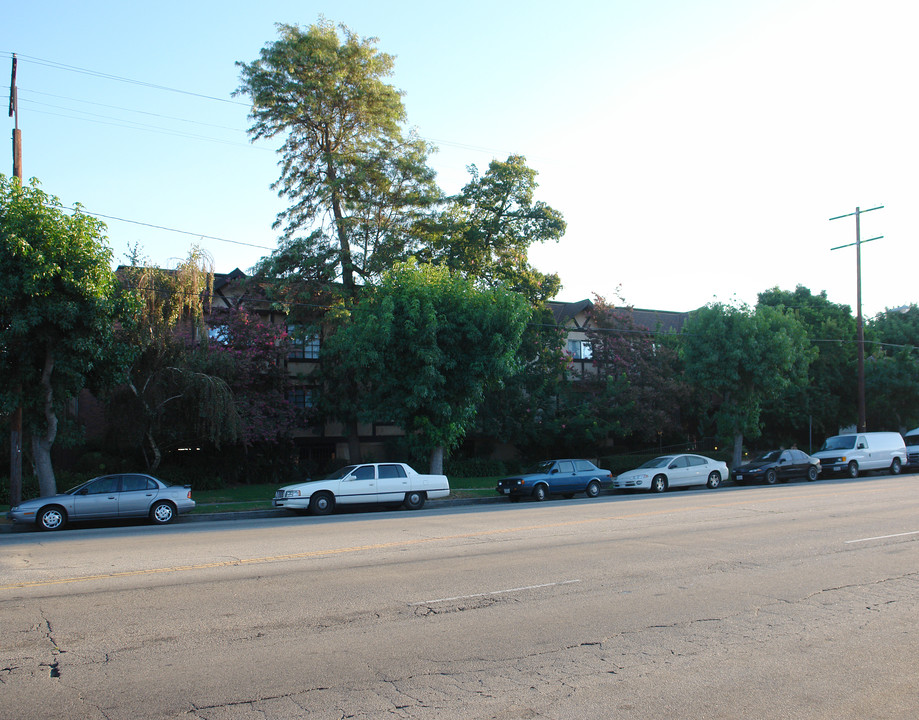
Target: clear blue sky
{"x":696,"y":149}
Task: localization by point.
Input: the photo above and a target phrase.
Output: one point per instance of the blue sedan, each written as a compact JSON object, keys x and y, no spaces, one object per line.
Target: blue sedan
{"x":556,"y":477}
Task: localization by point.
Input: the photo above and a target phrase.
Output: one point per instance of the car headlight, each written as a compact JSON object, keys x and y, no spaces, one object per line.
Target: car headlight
{"x":291,"y":493}
{"x":643,"y":476}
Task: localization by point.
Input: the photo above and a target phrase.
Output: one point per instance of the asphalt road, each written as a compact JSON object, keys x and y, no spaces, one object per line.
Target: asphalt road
{"x":792,"y":601}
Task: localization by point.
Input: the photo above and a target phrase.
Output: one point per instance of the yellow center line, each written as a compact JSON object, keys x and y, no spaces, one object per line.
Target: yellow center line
{"x":406,"y":543}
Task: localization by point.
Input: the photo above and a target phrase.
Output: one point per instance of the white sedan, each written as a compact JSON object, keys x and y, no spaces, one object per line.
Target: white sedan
{"x":394,"y":483}
{"x":673,"y":471}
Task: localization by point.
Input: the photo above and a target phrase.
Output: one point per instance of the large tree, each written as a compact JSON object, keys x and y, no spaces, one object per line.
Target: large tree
{"x":827,"y":401}
{"x":165,"y":398}
{"x":742,"y":358}
{"x":422,"y":348}
{"x":892,"y":369}
{"x":356,"y":180}
{"x":59,"y":306}
{"x":486,"y":230}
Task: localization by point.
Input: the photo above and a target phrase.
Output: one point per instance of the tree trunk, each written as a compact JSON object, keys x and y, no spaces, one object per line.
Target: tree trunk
{"x":738,"y":450}
{"x":41,"y":444}
{"x":354,"y":443}
{"x":437,"y":461}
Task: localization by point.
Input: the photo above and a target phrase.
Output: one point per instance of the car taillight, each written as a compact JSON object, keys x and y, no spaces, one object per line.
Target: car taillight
{"x":189,"y":494}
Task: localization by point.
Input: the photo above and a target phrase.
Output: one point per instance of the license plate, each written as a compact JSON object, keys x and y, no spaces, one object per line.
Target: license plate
{"x":739,"y":477}
{"x":506,"y":491}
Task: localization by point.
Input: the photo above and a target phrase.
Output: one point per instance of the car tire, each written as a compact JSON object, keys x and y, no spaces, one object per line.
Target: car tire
{"x":714,"y":479}
{"x":162,"y":513}
{"x":771,"y":476}
{"x":895,"y":466}
{"x":322,"y":503}
{"x":593,"y":489}
{"x":540,"y":492}
{"x":658,"y":484}
{"x":812,"y":473}
{"x":852,"y":469}
{"x":52,"y":518}
{"x":414,"y":500}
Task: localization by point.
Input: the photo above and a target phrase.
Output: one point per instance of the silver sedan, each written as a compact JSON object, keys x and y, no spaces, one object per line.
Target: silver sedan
{"x":110,"y":496}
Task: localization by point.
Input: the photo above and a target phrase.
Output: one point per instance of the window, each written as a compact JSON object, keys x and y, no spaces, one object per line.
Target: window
{"x":391,"y":471}
{"x":566,"y":466}
{"x":302,"y":398}
{"x":580,"y":350}
{"x":131,"y":483}
{"x":364,"y":472}
{"x":217,"y":333}
{"x":103,"y":485}
{"x":302,"y":347}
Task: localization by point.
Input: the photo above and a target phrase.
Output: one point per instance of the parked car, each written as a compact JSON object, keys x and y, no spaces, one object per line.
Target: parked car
{"x":556,"y":477}
{"x":912,"y":447}
{"x":853,"y":453}
{"x":775,"y":465}
{"x":673,"y":471}
{"x":110,"y":496}
{"x":394,"y":483}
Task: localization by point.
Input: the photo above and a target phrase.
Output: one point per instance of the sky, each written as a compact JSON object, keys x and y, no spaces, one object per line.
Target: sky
{"x":696,"y":149}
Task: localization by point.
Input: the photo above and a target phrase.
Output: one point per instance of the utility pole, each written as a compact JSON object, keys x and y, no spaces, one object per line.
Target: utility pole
{"x":860,"y":324}
{"x":16,"y":419}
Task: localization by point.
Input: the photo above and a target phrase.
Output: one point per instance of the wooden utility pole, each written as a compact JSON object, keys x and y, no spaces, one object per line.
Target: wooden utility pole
{"x":16,"y":419}
{"x":859,"y":321}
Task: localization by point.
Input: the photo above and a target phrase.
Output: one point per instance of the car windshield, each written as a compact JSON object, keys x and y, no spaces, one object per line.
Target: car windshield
{"x":841,"y":442}
{"x":75,"y":490}
{"x":770,"y":456}
{"x":344,"y":472}
{"x":540,"y":468}
{"x":657,"y":462}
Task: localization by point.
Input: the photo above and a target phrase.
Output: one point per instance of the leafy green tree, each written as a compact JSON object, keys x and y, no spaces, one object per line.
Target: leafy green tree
{"x":743,"y":357}
{"x":486,"y":230}
{"x":422,"y":348}
{"x":827,"y":401}
{"x":356,"y":183}
{"x":59,"y":307}
{"x":484,"y":233}
{"x":892,"y":369}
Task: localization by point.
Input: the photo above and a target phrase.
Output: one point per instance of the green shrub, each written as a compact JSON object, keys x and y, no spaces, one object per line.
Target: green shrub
{"x":474,"y":467}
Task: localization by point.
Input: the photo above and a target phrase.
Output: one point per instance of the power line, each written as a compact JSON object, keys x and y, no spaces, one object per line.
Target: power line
{"x":118,"y":78}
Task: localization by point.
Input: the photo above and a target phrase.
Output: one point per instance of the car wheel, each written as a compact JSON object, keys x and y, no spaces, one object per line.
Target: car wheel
{"x":52,"y":518}
{"x":162,"y":513}
{"x":771,"y":477}
{"x":593,"y":489}
{"x":540,"y":493}
{"x":812,"y":473}
{"x":853,"y":469}
{"x":895,"y":466}
{"x":322,"y":503}
{"x":714,"y":480}
{"x":414,"y":500}
{"x":658,"y":484}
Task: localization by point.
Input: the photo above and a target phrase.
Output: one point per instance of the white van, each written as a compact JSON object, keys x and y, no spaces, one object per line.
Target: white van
{"x":854,"y":452}
{"x":912,"y":447}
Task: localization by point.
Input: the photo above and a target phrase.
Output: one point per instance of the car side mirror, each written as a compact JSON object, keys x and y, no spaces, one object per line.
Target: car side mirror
{"x":861,"y":446}
{"x":553,"y":471}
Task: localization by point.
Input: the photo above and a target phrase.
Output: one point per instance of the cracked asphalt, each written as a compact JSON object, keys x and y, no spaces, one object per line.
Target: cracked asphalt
{"x":795,"y":601}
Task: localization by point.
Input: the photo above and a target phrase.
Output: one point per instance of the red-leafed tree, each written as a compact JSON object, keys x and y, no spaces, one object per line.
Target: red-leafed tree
{"x":249,"y":353}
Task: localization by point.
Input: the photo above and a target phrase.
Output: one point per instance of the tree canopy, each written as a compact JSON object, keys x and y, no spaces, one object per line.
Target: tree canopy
{"x":59,"y":309}
{"x":422,"y":348}
{"x":356,"y":181}
{"x":743,"y":357}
